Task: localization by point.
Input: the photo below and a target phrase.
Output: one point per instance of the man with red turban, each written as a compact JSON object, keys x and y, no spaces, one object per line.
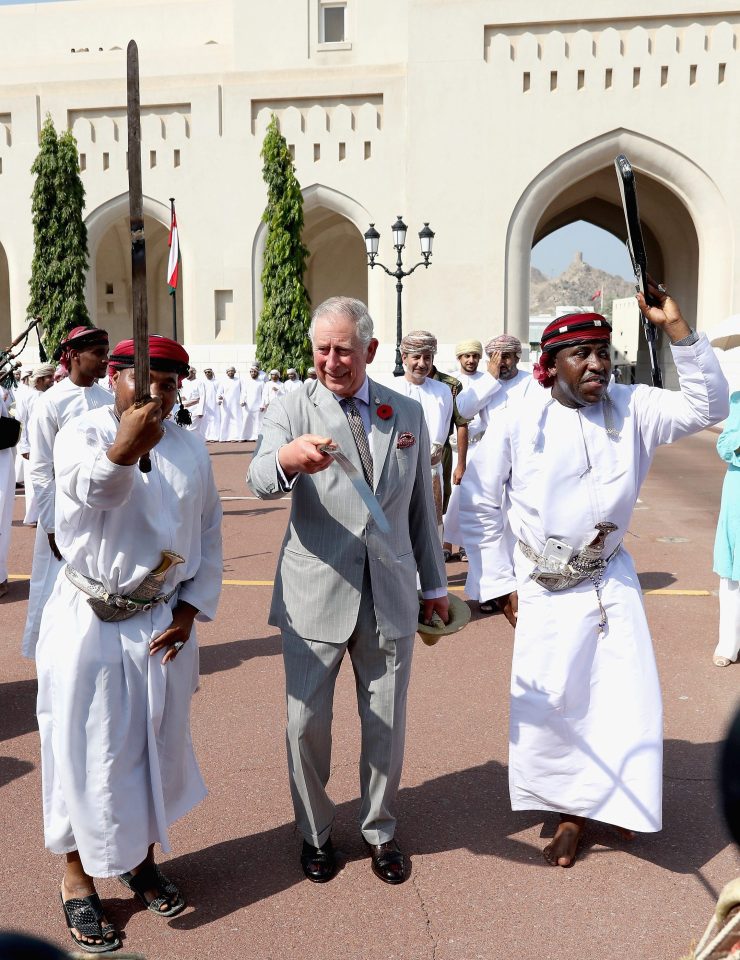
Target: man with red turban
{"x":117,"y":657}
{"x":84,"y":354}
{"x":565,"y":465}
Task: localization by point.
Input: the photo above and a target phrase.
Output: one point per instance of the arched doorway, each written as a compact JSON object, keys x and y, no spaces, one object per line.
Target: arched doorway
{"x":5,"y":334}
{"x":333,"y":226}
{"x":337,"y":265}
{"x":684,"y":219}
{"x":109,"y":276}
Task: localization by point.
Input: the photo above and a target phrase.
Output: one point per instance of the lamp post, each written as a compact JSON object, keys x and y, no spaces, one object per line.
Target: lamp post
{"x":372,"y":239}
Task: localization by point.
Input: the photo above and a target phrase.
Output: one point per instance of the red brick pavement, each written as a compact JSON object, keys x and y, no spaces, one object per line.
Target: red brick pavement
{"x":479,"y":887}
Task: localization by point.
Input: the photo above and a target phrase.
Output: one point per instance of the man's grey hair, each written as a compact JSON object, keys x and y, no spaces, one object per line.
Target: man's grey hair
{"x":354,"y":310}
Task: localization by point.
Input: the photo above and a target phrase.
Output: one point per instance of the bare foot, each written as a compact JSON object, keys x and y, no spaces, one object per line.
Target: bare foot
{"x":562,"y":849}
{"x":624,"y":833}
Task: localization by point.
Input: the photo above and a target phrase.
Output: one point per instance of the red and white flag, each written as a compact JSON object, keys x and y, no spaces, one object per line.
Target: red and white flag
{"x":173,"y":263}
{"x":596,"y":296}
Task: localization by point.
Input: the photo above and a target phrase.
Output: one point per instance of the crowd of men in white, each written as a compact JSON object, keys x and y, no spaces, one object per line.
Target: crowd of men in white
{"x":457,"y":410}
{"x":230,"y":409}
{"x":568,"y":455}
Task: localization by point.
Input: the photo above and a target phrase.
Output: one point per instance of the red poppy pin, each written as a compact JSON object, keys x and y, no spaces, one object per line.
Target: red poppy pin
{"x":385,"y":411}
{"x":405,"y":440}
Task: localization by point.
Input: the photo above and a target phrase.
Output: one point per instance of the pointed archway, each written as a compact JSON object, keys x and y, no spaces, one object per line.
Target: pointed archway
{"x":109,"y":275}
{"x":333,"y":232}
{"x":685,"y":222}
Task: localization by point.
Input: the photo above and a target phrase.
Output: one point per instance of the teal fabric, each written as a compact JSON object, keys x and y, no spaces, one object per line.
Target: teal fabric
{"x":726,"y":546}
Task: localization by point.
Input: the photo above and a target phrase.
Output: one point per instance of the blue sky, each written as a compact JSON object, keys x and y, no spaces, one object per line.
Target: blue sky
{"x":599,"y":248}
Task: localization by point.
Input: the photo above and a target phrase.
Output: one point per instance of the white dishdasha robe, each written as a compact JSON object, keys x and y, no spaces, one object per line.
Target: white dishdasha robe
{"x":62,"y":402}
{"x":211,"y":410}
{"x":24,"y":411}
{"x":118,"y":766}
{"x":586,"y":716}
{"x":194,"y":390}
{"x":483,"y":398}
{"x":7,"y":499}
{"x":229,"y":390}
{"x":251,"y":399}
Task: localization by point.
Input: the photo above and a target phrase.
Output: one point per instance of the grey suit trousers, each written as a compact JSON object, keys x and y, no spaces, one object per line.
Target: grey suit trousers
{"x":382,"y":670}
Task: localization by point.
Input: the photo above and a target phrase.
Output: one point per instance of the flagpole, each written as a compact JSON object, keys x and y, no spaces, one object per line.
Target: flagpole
{"x":173,"y":293}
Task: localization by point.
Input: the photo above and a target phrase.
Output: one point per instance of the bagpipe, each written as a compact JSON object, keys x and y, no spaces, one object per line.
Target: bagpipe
{"x":636,"y":248}
{"x":10,"y":428}
{"x":8,"y":358}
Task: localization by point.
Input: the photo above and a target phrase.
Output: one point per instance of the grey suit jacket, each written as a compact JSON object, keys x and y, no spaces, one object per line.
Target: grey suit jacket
{"x":331,"y":534}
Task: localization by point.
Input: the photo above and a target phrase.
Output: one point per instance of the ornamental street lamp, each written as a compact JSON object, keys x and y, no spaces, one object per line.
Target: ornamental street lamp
{"x":372,"y":239}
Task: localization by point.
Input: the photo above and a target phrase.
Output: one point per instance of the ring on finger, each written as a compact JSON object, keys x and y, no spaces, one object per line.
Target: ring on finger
{"x":178,"y":645}
{"x":662,"y":288}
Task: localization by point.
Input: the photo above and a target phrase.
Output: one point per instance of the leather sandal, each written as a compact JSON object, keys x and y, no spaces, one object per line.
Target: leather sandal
{"x":319,"y":863}
{"x":150,"y":877}
{"x":85,"y":914}
{"x":387,"y":861}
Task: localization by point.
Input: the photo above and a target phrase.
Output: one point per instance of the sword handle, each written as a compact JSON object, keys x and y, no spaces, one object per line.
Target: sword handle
{"x":145,"y":463}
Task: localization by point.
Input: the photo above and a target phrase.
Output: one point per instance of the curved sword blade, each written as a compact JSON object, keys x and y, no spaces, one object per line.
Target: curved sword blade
{"x":360,"y":484}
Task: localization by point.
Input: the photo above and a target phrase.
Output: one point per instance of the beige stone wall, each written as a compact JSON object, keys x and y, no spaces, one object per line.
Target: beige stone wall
{"x":495,"y":120}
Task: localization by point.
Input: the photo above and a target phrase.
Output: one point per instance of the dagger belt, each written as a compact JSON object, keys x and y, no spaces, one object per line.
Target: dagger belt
{"x":588,"y":564}
{"x":114,"y":607}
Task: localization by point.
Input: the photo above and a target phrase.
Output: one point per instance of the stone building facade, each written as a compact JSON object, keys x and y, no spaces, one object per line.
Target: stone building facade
{"x":497,"y":121}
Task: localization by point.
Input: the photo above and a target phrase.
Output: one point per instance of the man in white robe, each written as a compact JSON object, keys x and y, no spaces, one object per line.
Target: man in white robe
{"x":193,"y":394}
{"x":271,"y":389}
{"x":484,"y":397}
{"x":251,"y":400}
{"x":292,"y":380}
{"x":212,"y":408}
{"x":417,"y":355}
{"x":7,"y":500}
{"x":586,"y":724}
{"x":115,"y":685}
{"x":41,"y":379}
{"x":85,"y":356}
{"x":12,"y":398}
{"x":229,"y":396}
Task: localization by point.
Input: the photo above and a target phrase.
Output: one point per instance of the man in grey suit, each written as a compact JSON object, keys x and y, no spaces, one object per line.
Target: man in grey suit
{"x":341,"y":584}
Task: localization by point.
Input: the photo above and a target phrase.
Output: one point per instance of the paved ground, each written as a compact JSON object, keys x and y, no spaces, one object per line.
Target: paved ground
{"x":479,"y":888}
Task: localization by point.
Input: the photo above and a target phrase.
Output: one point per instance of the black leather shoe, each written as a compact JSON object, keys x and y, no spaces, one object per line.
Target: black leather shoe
{"x":388,"y":863}
{"x":319,"y":863}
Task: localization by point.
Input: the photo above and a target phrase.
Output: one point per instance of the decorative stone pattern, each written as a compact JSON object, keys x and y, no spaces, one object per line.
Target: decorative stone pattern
{"x":678,"y":51}
{"x":102,"y":138}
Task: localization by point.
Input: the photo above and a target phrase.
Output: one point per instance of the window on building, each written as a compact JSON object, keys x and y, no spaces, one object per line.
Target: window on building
{"x":332,"y":22}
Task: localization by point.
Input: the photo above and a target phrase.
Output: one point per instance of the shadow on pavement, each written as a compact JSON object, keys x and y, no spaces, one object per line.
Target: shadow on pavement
{"x":251,"y":512}
{"x":655,"y":581}
{"x":216,"y":657}
{"x":11,"y":768}
{"x":18,"y":715}
{"x":17,"y":591}
{"x":468,"y":809}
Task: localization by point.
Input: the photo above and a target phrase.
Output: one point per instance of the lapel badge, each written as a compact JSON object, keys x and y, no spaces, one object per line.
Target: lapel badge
{"x":405,"y":440}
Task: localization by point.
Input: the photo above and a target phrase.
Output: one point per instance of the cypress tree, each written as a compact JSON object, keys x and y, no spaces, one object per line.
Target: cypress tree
{"x":60,"y":238}
{"x":282,"y":332}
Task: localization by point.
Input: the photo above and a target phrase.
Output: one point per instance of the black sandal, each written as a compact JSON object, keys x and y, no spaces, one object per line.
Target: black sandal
{"x":150,"y":877}
{"x":86,"y":915}
{"x":488,"y":606}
